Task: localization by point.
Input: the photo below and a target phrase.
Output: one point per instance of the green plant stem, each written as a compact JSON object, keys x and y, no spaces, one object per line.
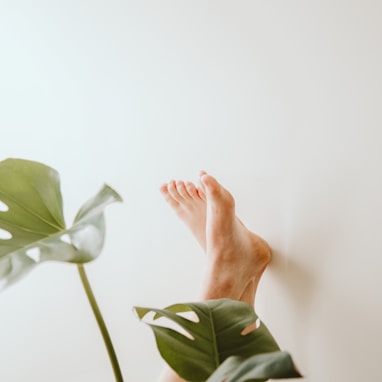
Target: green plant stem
{"x":101,"y":323}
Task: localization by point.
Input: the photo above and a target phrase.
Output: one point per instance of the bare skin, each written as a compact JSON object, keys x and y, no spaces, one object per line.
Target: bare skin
{"x":236,"y":257}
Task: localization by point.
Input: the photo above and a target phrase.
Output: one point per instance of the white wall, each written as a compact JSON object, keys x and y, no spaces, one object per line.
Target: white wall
{"x":281,"y":100}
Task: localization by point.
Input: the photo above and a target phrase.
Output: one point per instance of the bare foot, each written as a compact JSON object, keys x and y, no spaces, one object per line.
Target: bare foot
{"x":237,"y":257}
{"x":208,"y":211}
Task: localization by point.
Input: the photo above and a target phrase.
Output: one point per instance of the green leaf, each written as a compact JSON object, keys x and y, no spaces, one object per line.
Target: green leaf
{"x":257,"y":368}
{"x":32,"y":228}
{"x":209,"y":340}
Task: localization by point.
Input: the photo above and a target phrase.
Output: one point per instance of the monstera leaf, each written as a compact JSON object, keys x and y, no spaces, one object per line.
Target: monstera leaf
{"x":32,"y":228}
{"x":218,"y":330}
{"x":257,"y":368}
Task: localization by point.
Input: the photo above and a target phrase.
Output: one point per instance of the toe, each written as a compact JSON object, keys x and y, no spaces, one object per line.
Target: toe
{"x":210,"y":184}
{"x":201,"y":188}
{"x":216,"y":193}
{"x":192,"y":190}
{"x":164,"y":191}
{"x":182,"y":190}
{"x":173,"y":191}
{"x":168,"y":197}
{"x":201,"y":194}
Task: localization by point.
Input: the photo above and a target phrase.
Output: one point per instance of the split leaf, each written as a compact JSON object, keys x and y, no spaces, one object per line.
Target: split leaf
{"x":203,"y":344}
{"x":32,"y":227}
{"x":261,"y":367}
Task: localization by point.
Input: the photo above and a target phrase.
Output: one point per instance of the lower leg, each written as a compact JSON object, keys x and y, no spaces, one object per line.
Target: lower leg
{"x":236,"y":257}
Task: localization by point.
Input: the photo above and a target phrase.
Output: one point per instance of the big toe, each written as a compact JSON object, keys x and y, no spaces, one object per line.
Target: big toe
{"x":216,"y":193}
{"x":210,"y":184}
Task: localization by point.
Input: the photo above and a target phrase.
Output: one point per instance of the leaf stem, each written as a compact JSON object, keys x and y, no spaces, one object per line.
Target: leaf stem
{"x":101,"y":323}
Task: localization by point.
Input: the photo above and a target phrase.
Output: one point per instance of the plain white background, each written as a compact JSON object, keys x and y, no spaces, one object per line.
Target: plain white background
{"x":280,"y":100}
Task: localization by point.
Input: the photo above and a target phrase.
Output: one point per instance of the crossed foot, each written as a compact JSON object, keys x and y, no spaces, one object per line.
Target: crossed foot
{"x":236,"y":257}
